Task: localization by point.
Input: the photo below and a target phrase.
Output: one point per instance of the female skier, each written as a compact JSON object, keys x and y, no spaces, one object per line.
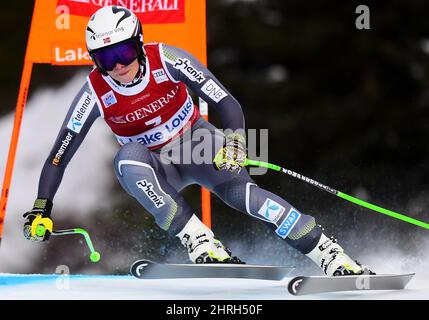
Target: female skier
{"x":141,"y":92}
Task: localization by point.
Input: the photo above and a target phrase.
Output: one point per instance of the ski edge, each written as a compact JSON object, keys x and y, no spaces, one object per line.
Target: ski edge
{"x":185,"y":268}
{"x":294,"y":282}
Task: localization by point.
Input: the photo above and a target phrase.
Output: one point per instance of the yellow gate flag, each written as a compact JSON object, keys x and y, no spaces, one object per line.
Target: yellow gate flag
{"x":57,"y":37}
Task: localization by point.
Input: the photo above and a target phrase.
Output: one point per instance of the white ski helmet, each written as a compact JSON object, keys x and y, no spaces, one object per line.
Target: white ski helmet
{"x":110,"y":26}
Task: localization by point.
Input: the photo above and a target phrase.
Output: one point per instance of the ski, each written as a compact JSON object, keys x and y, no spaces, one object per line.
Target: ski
{"x":146,"y":269}
{"x":314,"y":284}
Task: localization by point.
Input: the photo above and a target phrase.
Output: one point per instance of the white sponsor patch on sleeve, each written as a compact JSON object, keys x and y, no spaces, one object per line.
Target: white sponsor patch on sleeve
{"x":214,"y":92}
{"x":81,"y":112}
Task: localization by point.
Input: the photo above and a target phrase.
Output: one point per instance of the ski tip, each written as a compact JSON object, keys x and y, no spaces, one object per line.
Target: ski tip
{"x":293,"y":285}
{"x":139,"y":265}
{"x":303,"y":285}
{"x":408,"y":277}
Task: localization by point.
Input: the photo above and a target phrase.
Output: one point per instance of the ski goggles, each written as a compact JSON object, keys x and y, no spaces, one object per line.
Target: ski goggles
{"x":123,"y":53}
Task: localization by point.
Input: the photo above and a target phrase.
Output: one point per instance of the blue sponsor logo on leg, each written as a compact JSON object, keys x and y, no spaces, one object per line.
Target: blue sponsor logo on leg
{"x":288,"y":223}
{"x":271,"y":210}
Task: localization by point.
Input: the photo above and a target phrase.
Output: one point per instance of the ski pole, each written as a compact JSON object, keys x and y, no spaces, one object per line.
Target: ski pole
{"x":95,"y":255}
{"x":338,"y":193}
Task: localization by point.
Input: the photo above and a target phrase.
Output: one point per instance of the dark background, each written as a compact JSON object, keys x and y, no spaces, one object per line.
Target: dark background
{"x":346,"y":107}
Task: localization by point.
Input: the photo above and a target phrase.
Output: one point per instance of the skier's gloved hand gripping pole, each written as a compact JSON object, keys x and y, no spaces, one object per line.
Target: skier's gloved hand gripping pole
{"x":342,"y":195}
{"x":233,"y":155}
{"x":38,"y":226}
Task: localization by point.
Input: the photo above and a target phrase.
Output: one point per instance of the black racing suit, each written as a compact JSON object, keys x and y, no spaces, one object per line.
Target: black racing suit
{"x":155,"y":178}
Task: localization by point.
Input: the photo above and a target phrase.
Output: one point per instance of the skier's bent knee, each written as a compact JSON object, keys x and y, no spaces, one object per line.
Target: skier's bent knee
{"x":133,"y":151}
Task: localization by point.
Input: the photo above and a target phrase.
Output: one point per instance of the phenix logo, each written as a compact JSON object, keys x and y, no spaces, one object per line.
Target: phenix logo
{"x":189,"y":70}
{"x":147,"y":188}
{"x":62,"y":149}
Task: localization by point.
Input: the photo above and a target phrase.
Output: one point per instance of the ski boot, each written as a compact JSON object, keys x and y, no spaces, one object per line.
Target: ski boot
{"x":330,"y":256}
{"x":202,"y":246}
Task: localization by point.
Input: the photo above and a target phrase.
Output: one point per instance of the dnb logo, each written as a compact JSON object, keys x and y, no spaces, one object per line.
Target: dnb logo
{"x":271,"y":210}
{"x":288,"y":223}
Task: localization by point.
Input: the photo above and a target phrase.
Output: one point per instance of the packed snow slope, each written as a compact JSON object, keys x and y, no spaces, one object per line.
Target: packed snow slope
{"x":60,"y":286}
